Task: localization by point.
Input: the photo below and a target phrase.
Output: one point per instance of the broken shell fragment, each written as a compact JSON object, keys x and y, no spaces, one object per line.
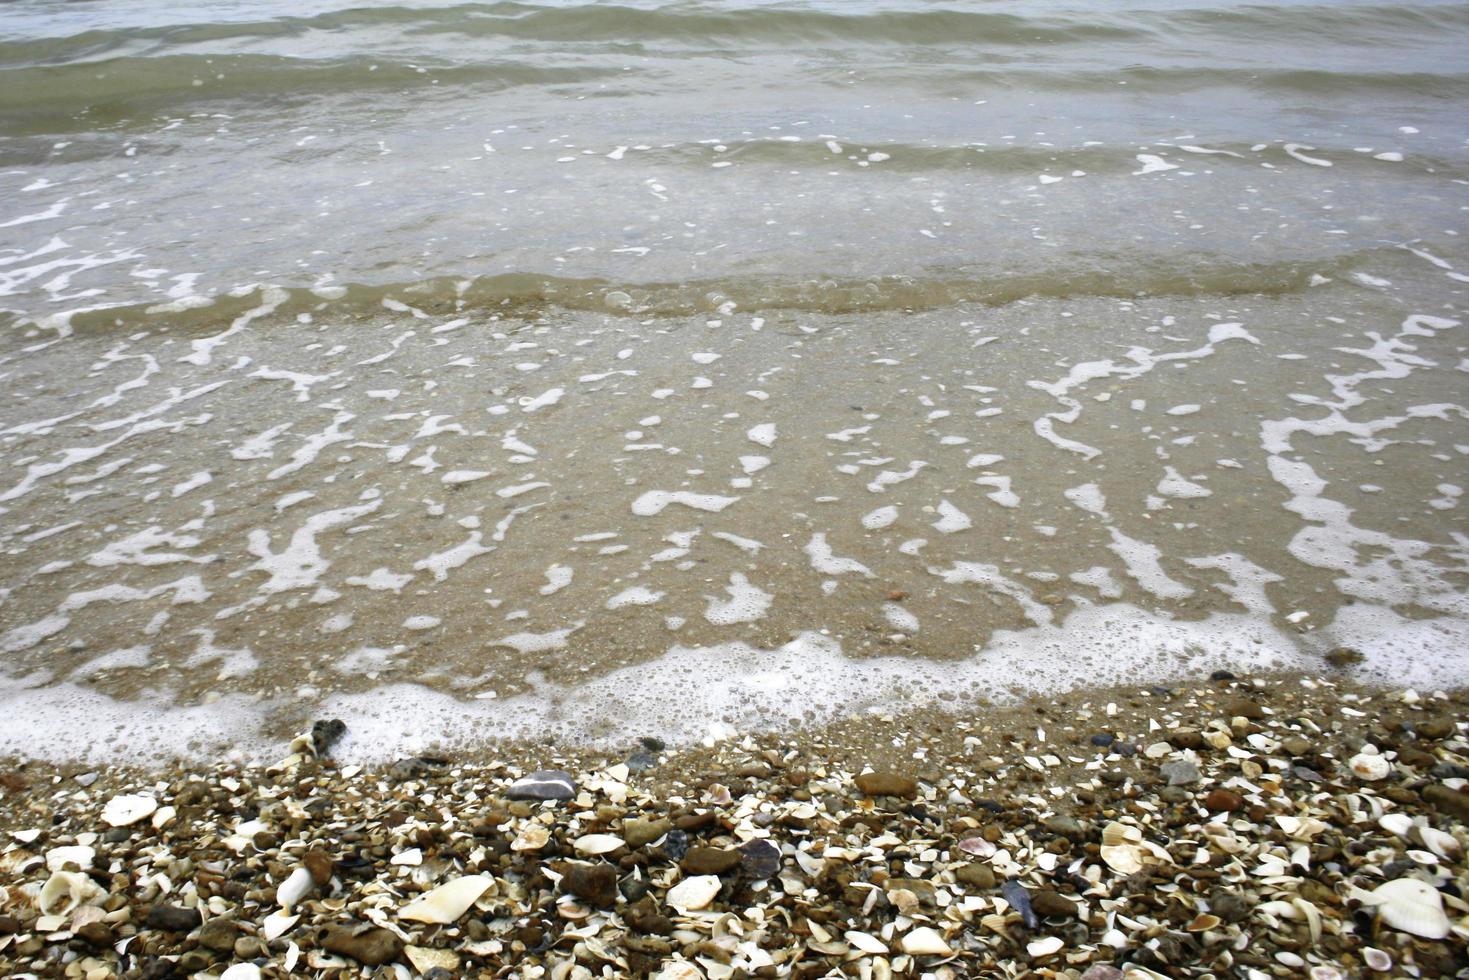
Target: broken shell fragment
{"x":694,"y":893}
{"x":1412,"y":906}
{"x":77,"y":854}
{"x":925,"y":942}
{"x":121,"y":811}
{"x":64,"y":891}
{"x":532,"y":838}
{"x":1043,"y":947}
{"x":593,"y":844}
{"x":294,"y":888}
{"x":1122,"y":858}
{"x":447,"y":902}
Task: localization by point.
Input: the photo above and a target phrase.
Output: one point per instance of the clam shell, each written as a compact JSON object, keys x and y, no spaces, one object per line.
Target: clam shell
{"x":1441,"y":843}
{"x":977,"y":846}
{"x":1122,"y":858}
{"x":121,"y":811}
{"x":1370,"y":767}
{"x":1044,"y":947}
{"x":866,"y":942}
{"x":694,"y":893}
{"x":77,"y":854}
{"x":277,"y":924}
{"x":1396,"y":823}
{"x":447,"y":902}
{"x":593,"y":844}
{"x":1412,"y":906}
{"x":64,"y":891}
{"x":1376,"y":959}
{"x":925,"y":942}
{"x":1115,"y":834}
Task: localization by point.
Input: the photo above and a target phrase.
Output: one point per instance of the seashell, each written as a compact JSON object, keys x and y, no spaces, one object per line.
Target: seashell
{"x":1043,"y":947}
{"x":1203,"y":922}
{"x":1115,"y":834}
{"x":1326,"y":973}
{"x":1370,"y":767}
{"x":425,"y":959}
{"x":680,"y":970}
{"x":904,"y":899}
{"x":296,"y":887}
{"x":925,"y":942}
{"x":164,"y":816}
{"x":1412,"y":906}
{"x":598,"y":844}
{"x":532,"y":838}
{"x":977,"y":846}
{"x":64,"y":891}
{"x":572,"y":911}
{"x":77,"y":854}
{"x":1376,"y":959}
{"x":1441,"y":843}
{"x":866,"y":942}
{"x":1122,"y":858}
{"x":85,"y":915}
{"x":241,"y":971}
{"x":410,"y":857}
{"x":121,"y":811}
{"x":1396,"y":823}
{"x":694,"y":893}
{"x":277,"y":924}
{"x":447,"y":902}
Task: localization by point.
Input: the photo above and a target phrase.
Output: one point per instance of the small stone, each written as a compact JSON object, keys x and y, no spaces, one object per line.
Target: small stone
{"x":759,"y":859}
{"x":1343,"y":657}
{"x":172,"y":918}
{"x":1019,"y":898}
{"x":596,"y":883}
{"x":709,"y":860}
{"x":219,"y":935}
{"x":1450,"y":801}
{"x":676,"y":845}
{"x":652,"y":744}
{"x":887,"y":784}
{"x":98,"y":934}
{"x":1103,"y":739}
{"x":1243,"y":708}
{"x":320,"y":864}
{"x":372,"y":947}
{"x":980,"y":876}
{"x":640,"y":762}
{"x":636,"y":832}
{"x":1223,"y":801}
{"x":1296,"y":746}
{"x":1048,"y":902}
{"x":645,"y":918}
{"x":1102,"y":971}
{"x":1221,"y":675}
{"x":416,"y":767}
{"x":544,"y":784}
{"x":325,"y":733}
{"x":195,"y":961}
{"x":1179,"y":773}
{"x":1068,"y":827}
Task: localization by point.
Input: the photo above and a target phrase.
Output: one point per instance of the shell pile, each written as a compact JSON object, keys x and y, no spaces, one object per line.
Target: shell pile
{"x":1231,"y":829}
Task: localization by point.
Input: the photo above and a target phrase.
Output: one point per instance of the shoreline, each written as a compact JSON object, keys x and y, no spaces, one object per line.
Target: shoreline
{"x":1223,"y":829}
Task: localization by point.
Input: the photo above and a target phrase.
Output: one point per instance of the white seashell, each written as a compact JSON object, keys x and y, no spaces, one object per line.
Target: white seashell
{"x":977,"y":846}
{"x":532,"y":838}
{"x":165,"y":816}
{"x":1396,"y":823}
{"x":694,"y":893}
{"x":866,"y":942}
{"x":277,"y":924}
{"x":1326,"y":973}
{"x":447,"y":902}
{"x":425,"y":959}
{"x":598,"y":844}
{"x":411,"y":857}
{"x":1370,"y":766}
{"x":77,"y":854}
{"x":123,"y":810}
{"x":293,"y":954}
{"x":1376,"y":959}
{"x":1043,"y":947}
{"x":1122,"y":858}
{"x":925,"y":942}
{"x":680,"y":970}
{"x":1439,"y":842}
{"x":64,"y":891}
{"x":241,"y":971}
{"x":1412,"y":906}
{"x":26,"y":836}
{"x":296,"y":887}
{"x":1120,"y":833}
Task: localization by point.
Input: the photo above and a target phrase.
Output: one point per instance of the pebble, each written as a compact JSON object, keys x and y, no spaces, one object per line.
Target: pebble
{"x":1019,"y":898}
{"x":709,"y":860}
{"x":371,"y":946}
{"x":173,"y":918}
{"x":636,"y":832}
{"x":759,"y":859}
{"x":596,"y":883}
{"x":544,"y":784}
{"x":1223,"y":801}
{"x":1180,"y":772}
{"x":887,"y":784}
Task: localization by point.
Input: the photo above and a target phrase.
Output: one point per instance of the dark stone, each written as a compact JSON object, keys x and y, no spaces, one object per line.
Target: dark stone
{"x":320,"y":864}
{"x":759,"y":859}
{"x":1186,"y":738}
{"x":544,"y":784}
{"x":637,"y":832}
{"x":597,"y":883}
{"x":1125,"y":749}
{"x":980,"y":876}
{"x":98,"y":934}
{"x":1048,"y":902}
{"x":1448,"y":801}
{"x":9,"y":925}
{"x":1228,"y":905}
{"x":1223,"y":801}
{"x":652,"y":744}
{"x":1243,"y":708}
{"x":709,"y":860}
{"x":887,"y":784}
{"x":696,"y":821}
{"x":172,"y":918}
{"x":326,"y":733}
{"x":1221,"y":675}
{"x":1342,"y":657}
{"x":196,"y":960}
{"x":1068,"y":827}
{"x":219,"y":935}
{"x":158,"y":968}
{"x":645,"y":918}
{"x":417,"y":767}
{"x":372,"y":947}
{"x":640,"y":762}
{"x":1103,"y":740}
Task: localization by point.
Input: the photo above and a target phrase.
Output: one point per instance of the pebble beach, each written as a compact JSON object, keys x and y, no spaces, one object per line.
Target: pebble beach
{"x":1286,"y":826}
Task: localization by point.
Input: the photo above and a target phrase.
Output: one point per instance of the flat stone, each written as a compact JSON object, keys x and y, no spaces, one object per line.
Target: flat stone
{"x":709,"y":860}
{"x":759,"y":859}
{"x":1448,"y":801}
{"x":172,"y":918}
{"x":636,"y":833}
{"x":1068,"y":827}
{"x":372,"y":947}
{"x":1179,"y":773}
{"x":544,"y":784}
{"x":1243,"y":708}
{"x":976,"y":875}
{"x":887,"y":784}
{"x":596,"y":883}
{"x":219,"y":935}
{"x":1048,"y":902}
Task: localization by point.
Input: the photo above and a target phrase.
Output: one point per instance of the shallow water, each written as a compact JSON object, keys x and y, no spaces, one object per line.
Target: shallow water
{"x":593,"y":370}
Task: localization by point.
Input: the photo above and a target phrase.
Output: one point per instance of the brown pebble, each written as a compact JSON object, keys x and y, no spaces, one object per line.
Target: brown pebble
{"x":372,"y":947}
{"x":1223,"y":801}
{"x":320,"y":864}
{"x":887,"y":784}
{"x":709,"y":860}
{"x":1447,"y":800}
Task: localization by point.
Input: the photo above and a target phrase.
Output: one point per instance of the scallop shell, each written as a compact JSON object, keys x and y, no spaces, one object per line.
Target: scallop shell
{"x":925,"y":942}
{"x":1122,"y":858}
{"x":1412,"y":906}
{"x":1370,"y":766}
{"x":598,"y":844}
{"x":694,"y":893}
{"x":121,"y":811}
{"x":447,"y":902}
{"x":64,"y":891}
